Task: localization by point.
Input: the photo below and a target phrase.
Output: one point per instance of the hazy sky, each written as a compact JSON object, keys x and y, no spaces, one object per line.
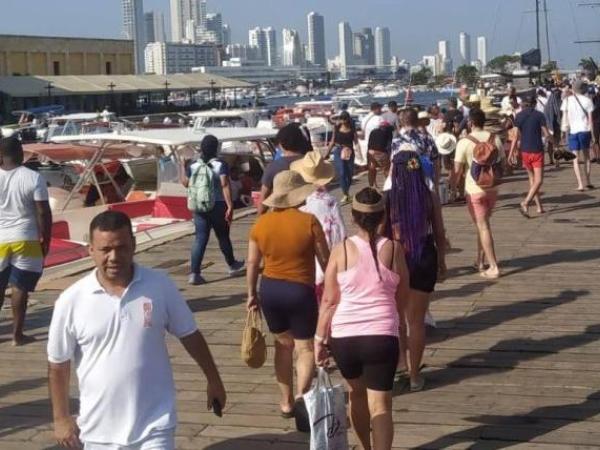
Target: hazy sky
{"x":415,"y":26}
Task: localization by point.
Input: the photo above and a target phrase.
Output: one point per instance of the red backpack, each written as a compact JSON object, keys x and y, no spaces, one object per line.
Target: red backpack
{"x":487,"y":168}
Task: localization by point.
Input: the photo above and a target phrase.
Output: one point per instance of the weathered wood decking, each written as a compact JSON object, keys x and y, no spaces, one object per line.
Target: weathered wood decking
{"x":513,"y":363}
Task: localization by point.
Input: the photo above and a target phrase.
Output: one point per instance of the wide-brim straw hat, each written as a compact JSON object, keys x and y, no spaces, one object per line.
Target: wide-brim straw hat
{"x":289,"y":190}
{"x":474,"y":99}
{"x":446,"y":143}
{"x":314,"y":169}
{"x":487,"y":107}
{"x":423,"y":115}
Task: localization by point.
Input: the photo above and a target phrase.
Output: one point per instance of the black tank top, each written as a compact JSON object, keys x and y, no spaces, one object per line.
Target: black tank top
{"x":345,"y":139}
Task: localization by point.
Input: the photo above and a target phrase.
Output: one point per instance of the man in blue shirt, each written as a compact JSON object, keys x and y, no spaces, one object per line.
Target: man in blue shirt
{"x":532,"y":130}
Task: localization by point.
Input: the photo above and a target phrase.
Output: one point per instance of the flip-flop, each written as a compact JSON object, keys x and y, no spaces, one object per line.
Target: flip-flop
{"x":287,"y":415}
{"x":591,"y":186}
{"x":301,"y":416}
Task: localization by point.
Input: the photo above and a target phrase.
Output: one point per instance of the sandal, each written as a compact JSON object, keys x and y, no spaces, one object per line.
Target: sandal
{"x":418,"y":385}
{"x":288,"y":415}
{"x":490,"y":276}
{"x":524,"y":212}
{"x":301,"y":416}
{"x":591,"y":186}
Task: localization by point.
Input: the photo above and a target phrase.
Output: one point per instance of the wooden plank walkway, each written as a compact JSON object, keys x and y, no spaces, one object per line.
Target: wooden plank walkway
{"x":513,"y":363}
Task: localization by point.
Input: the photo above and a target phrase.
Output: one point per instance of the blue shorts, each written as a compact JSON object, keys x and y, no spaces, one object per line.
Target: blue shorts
{"x":21,"y":265}
{"x":580,"y":141}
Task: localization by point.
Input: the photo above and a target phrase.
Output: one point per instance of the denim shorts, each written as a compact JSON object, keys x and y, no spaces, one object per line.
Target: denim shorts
{"x":580,"y":141}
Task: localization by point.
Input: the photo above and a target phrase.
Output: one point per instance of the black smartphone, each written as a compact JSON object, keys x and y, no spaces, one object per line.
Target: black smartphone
{"x":216,"y":407}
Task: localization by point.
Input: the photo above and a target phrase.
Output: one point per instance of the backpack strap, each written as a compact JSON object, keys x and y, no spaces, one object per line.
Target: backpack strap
{"x":473,"y":139}
{"x":492,"y":139}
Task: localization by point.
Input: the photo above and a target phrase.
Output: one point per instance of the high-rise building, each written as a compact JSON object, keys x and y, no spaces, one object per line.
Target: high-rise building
{"x":383,"y":47}
{"x":369,"y":49}
{"x":154,"y":22}
{"x":134,"y":29}
{"x":212,"y":30}
{"x":226,"y":35}
{"x":433,"y":62}
{"x":482,"y":50}
{"x":266,"y":42}
{"x":316,"y":39}
{"x":169,"y":57}
{"x":359,"y":43}
{"x":149,"y":26}
{"x":446,"y":57}
{"x":182,"y":11}
{"x":465,"y":48}
{"x":292,"y":48}
{"x":346,"y":47}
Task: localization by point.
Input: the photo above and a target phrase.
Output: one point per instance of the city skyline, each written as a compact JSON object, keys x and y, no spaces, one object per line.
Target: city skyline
{"x":503,"y":23}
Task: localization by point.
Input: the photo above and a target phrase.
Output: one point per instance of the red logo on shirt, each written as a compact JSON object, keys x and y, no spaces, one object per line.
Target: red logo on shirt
{"x":147,"y":314}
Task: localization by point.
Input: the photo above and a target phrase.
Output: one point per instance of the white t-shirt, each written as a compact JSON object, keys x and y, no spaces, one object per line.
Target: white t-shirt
{"x":20,"y":188}
{"x":370,"y":123}
{"x":579,"y":122}
{"x":118,"y":345}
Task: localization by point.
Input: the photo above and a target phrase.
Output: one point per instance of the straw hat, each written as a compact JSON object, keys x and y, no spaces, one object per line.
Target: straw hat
{"x":487,"y":107}
{"x":289,"y":190}
{"x":446,"y":143}
{"x":473,"y":99}
{"x":314,"y":169}
{"x":423,"y":115}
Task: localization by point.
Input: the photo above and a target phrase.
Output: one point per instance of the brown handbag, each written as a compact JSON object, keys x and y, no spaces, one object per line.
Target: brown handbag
{"x":254,"y":345}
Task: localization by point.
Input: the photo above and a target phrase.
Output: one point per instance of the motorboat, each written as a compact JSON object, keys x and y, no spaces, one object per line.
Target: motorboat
{"x":229,"y":118}
{"x":32,"y":122}
{"x":80,"y":123}
{"x":156,"y":211}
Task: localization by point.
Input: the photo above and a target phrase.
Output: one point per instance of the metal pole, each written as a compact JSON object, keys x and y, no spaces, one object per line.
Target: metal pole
{"x":547,"y":31}
{"x":537,"y":23}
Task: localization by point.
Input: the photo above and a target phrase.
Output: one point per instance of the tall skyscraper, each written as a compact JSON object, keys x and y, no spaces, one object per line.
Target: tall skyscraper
{"x":444,"y":49}
{"x":346,"y":47}
{"x":271,"y":40}
{"x":482,"y":50}
{"x":359,"y":43}
{"x":292,"y":48}
{"x":465,"y":48}
{"x":134,"y":29}
{"x":212,"y":30}
{"x":369,"y":46}
{"x":182,"y":11}
{"x":149,"y":26}
{"x":383,"y":47}
{"x":316,"y":39}
{"x":265,"y":40}
{"x":226,"y":35}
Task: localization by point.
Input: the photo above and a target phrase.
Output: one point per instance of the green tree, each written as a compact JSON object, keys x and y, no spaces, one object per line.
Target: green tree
{"x":499,"y":63}
{"x":422,"y":76}
{"x":589,"y":66}
{"x":467,"y":75}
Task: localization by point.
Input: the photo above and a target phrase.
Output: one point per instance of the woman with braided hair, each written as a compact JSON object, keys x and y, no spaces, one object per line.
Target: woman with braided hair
{"x":365,"y":276}
{"x":415,"y":220}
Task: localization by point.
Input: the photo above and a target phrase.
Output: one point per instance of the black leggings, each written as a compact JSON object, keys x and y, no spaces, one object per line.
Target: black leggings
{"x":289,"y":306}
{"x":374,"y":358}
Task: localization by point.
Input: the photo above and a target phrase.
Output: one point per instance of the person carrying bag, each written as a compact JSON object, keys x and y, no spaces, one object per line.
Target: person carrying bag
{"x":254,"y":346}
{"x":326,"y":408}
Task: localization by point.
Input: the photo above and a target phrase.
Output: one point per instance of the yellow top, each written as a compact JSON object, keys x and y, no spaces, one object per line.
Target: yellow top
{"x":464,"y":154}
{"x":287,"y":240}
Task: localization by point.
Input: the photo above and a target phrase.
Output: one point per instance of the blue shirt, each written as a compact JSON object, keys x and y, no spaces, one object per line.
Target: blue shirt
{"x":219,"y":168}
{"x":530,"y":123}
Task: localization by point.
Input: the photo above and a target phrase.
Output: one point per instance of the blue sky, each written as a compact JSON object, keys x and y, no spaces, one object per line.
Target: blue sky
{"x":416,"y":26}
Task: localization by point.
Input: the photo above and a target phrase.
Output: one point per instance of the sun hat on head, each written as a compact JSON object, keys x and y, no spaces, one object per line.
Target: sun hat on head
{"x":314,"y":169}
{"x":474,"y":98}
{"x":289,"y":190}
{"x":423,"y":115}
{"x":446,"y":143}
{"x":487,"y":107}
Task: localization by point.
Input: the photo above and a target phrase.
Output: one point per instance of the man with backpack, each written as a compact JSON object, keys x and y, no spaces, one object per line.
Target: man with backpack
{"x":209,"y":199}
{"x":479,"y":155}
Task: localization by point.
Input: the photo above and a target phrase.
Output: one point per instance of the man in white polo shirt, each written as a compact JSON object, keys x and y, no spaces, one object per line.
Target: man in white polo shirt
{"x":112,"y":324}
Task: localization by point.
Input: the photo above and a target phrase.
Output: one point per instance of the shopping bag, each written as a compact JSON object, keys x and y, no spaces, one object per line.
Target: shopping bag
{"x":254,"y":346}
{"x":327,"y":414}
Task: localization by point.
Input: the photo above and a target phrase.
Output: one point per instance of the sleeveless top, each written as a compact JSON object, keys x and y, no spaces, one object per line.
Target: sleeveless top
{"x":367,"y":305}
{"x":345,"y":139}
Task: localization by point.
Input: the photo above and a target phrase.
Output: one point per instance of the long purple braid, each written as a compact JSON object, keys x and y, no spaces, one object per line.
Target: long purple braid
{"x":410,"y":206}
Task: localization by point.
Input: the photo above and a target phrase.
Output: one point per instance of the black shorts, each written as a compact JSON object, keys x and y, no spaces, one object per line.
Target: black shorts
{"x":289,"y":306}
{"x":423,"y":271}
{"x":374,"y":358}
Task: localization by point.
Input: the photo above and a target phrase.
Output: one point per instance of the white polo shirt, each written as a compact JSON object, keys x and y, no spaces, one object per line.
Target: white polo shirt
{"x":118,"y":345}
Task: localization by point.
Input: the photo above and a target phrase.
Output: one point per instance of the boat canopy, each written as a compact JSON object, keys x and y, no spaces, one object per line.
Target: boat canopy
{"x":173,"y":137}
{"x":61,"y":153}
{"x":78,"y":117}
{"x":41,"y":110}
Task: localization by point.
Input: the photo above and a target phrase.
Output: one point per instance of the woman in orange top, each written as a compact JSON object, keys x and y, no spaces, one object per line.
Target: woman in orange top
{"x":288,"y":240}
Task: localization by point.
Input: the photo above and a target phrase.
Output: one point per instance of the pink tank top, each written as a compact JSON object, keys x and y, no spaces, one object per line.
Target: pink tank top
{"x":367,"y":305}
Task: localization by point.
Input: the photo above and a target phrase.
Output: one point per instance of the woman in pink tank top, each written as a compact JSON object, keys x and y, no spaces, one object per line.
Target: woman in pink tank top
{"x":359,"y":319}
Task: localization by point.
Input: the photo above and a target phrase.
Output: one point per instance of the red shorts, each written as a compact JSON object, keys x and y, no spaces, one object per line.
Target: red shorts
{"x":481,"y":205}
{"x":532,"y":160}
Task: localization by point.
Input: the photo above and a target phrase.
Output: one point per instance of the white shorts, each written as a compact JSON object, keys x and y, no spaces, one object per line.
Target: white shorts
{"x":158,"y":440}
